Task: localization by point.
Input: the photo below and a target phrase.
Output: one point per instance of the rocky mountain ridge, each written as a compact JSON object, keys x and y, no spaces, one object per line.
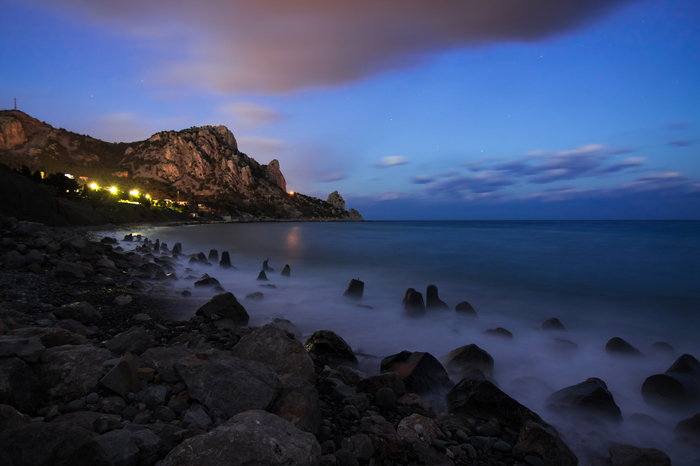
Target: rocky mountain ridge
{"x":200,"y":164}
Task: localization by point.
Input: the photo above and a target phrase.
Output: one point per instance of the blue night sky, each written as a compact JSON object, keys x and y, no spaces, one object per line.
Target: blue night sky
{"x":448,"y":109}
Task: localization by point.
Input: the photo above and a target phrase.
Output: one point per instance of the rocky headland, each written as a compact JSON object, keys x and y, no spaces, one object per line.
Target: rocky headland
{"x":201,"y":165}
{"x":94,"y":372}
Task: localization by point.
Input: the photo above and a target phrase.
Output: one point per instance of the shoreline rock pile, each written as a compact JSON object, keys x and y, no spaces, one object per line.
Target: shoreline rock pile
{"x":90,"y":377}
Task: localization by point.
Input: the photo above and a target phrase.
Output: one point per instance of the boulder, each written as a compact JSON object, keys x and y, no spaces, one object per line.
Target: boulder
{"x":272,"y":346}
{"x":390,"y":380}
{"x":51,"y":337}
{"x":421,"y":372}
{"x":41,"y":443}
{"x":251,"y":437}
{"x":677,"y":388}
{"x":417,"y":404}
{"x":266,"y":267}
{"x":618,"y":347}
{"x":136,"y":340}
{"x":589,"y":398}
{"x":628,"y":455}
{"x":432,"y":301}
{"x":228,"y":383}
{"x":553,"y":324}
{"x":355,"y":216}
{"x":690,"y":426}
{"x":336,"y":200}
{"x":224,"y":305}
{"x":70,"y":370}
{"x":28,"y":349}
{"x":124,"y":377}
{"x":544,"y":440}
{"x":262,"y":276}
{"x":499,"y":332}
{"x":286,"y":271}
{"x":329,"y":348}
{"x":18,"y":385}
{"x":355,"y":289}
{"x":466,"y":309}
{"x":661,"y":348}
{"x":287,"y":326}
{"x":120,"y":446}
{"x":414,"y":303}
{"x":298,"y":403}
{"x":417,"y":428}
{"x":257,"y":296}
{"x":81,"y":311}
{"x":360,"y":446}
{"x":213,"y":256}
{"x":225,"y":261}
{"x":463,"y":360}
{"x":169,"y":435}
{"x":207,"y":282}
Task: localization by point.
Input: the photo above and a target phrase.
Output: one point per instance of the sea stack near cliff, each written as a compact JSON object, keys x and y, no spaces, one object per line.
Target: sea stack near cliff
{"x":336,"y":200}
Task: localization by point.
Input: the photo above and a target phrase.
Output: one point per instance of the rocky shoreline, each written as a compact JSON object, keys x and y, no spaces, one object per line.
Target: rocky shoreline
{"x":92,"y":371}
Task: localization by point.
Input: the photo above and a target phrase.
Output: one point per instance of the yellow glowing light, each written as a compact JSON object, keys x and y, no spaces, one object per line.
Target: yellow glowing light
{"x":134,"y":192}
{"x":148,"y":196}
{"x":291,"y":193}
{"x":94,"y":186}
{"x":113,"y":190}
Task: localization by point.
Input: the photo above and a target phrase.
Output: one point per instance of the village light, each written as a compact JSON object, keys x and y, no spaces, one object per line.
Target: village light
{"x":134,"y":192}
{"x":113,"y":190}
{"x":291,"y":193}
{"x":148,"y":196}
{"x":94,"y":186}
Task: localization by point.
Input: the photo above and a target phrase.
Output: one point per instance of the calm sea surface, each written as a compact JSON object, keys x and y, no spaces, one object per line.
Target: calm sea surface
{"x":636,"y":280}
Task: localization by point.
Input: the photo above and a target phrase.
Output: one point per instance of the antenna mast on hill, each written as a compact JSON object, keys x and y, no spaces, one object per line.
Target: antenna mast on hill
{"x":15,"y":103}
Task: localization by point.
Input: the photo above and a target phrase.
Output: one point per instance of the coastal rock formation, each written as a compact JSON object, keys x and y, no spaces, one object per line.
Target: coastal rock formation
{"x":421,"y":372}
{"x":336,"y":199}
{"x":354,"y":216}
{"x":432,"y":301}
{"x":461,"y":361}
{"x":327,"y":347}
{"x":678,"y":387}
{"x":618,"y":347}
{"x":589,"y":398}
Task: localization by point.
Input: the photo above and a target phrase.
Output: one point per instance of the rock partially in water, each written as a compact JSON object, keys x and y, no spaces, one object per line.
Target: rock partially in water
{"x":355,"y":289}
{"x":286,"y":271}
{"x":618,"y":347}
{"x":414,"y":305}
{"x":553,"y":324}
{"x":224,"y":305}
{"x":628,"y":455}
{"x":462,"y":360}
{"x":499,"y":332}
{"x":432,"y":301}
{"x":466,"y":309}
{"x":421,"y":372}
{"x":677,"y":388}
{"x":589,"y":398}
{"x":327,"y":347}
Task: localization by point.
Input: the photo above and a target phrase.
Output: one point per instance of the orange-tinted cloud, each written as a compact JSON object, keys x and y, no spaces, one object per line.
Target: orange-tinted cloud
{"x":277,"y":46}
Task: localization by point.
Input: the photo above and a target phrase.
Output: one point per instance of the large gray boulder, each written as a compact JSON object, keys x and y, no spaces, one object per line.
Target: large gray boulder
{"x":273,"y":346}
{"x":677,"y":388}
{"x":628,"y":455}
{"x":420,"y":371}
{"x":41,"y":444}
{"x":28,"y":349}
{"x":83,"y":312}
{"x":465,"y":359}
{"x":18,"y":385}
{"x":120,"y":446}
{"x":224,"y":305}
{"x":230,"y":384}
{"x":328,"y":347}
{"x":250,"y":438}
{"x":123,"y":378}
{"x":10,"y":417}
{"x":589,"y":398}
{"x":70,"y":370}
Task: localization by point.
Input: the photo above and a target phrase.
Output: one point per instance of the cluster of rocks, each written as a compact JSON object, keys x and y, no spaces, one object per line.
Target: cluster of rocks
{"x":89,"y":376}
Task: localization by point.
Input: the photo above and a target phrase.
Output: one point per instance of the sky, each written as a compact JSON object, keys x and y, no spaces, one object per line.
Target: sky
{"x":425,"y":110}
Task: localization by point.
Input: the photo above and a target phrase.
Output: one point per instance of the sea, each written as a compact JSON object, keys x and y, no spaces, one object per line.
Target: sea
{"x":637,"y":280}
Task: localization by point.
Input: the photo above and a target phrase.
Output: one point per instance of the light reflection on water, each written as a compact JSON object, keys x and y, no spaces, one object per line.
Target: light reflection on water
{"x":636,"y":280}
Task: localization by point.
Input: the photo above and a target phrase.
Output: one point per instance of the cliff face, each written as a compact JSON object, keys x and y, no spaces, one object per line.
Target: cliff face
{"x":203,"y":164}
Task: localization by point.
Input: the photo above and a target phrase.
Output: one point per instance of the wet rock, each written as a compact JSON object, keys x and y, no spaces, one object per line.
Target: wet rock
{"x":628,"y":455}
{"x":70,"y":370}
{"x":499,"y":332}
{"x":428,"y":454}
{"x":355,"y":289}
{"x":421,"y":372}
{"x":266,"y":267}
{"x":50,"y":337}
{"x":461,"y":361}
{"x":213,"y":256}
{"x":564,"y":347}
{"x":287,"y":326}
{"x":225,"y":261}
{"x":257,"y":296}
{"x":113,"y":405}
{"x":360,"y":445}
{"x":286,"y":271}
{"x":123,"y":378}
{"x":262,"y":276}
{"x":230,"y":384}
{"x":207,"y":282}
{"x":120,"y":446}
{"x":298,"y":403}
{"x":677,"y":388}
{"x":329,"y":348}
{"x":690,"y":426}
{"x":466,"y":309}
{"x":148,"y":444}
{"x":40,"y":443}
{"x":553,"y":324}
{"x":273,"y":347}
{"x":661,"y":348}
{"x":417,"y":404}
{"x":385,"y":399}
{"x":251,"y":437}
{"x":224,"y":305}
{"x":197,"y":418}
{"x":163,"y":361}
{"x":390,"y":380}
{"x":417,"y":428}
{"x":81,"y":311}
{"x":619,"y":347}
{"x":387,"y":443}
{"x":432,"y":301}
{"x":414,"y":303}
{"x":543,"y":439}
{"x":136,"y":340}
{"x":589,"y":398}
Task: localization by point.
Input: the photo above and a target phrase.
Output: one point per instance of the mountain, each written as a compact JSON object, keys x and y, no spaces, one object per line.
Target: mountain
{"x":198,"y":164}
